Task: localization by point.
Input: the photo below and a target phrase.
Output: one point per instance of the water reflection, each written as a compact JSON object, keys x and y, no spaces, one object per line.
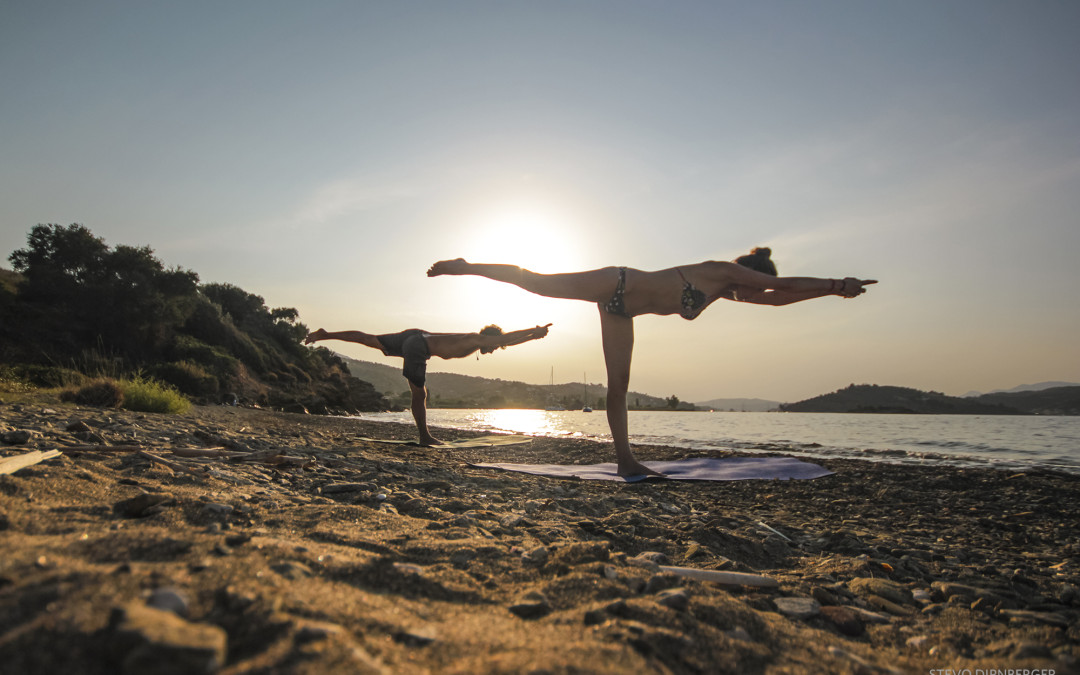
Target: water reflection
{"x":533,"y":422}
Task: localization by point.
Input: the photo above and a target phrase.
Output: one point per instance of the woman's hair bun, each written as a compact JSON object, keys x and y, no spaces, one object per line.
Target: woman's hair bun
{"x":762,"y":251}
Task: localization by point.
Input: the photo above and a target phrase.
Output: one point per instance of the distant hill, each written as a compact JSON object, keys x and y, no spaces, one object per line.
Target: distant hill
{"x":872,"y":398}
{"x":1052,"y":401}
{"x":1024,"y":387}
{"x":739,"y":404}
{"x":449,"y":390}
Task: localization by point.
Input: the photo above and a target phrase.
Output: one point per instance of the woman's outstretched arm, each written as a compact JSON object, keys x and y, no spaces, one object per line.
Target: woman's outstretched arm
{"x":845,"y":288}
{"x":460,"y":345}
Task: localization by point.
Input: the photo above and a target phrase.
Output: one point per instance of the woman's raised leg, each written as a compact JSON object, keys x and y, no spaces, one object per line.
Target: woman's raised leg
{"x":617,"y":334}
{"x":591,"y":286}
{"x":357,"y":336}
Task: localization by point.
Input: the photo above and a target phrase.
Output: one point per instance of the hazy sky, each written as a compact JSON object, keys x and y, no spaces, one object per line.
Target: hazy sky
{"x":324,"y":154}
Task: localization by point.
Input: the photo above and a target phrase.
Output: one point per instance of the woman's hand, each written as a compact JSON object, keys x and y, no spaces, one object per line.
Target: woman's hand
{"x":851,"y":287}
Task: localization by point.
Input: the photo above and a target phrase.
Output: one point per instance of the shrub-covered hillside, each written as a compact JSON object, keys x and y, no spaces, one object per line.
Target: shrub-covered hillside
{"x":76,"y":307}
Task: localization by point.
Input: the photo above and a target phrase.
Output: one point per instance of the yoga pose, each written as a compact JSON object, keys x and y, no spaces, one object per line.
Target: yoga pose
{"x":417,"y":346}
{"x":622,"y":293}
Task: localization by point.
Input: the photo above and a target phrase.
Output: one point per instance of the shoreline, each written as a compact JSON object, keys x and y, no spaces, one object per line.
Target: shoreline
{"x":319,"y":552}
{"x":810,"y":449}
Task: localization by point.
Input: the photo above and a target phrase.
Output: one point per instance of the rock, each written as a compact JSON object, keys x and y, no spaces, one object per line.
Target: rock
{"x":889,"y":606}
{"x":142,"y":505}
{"x":147,"y":640}
{"x":16,"y":437}
{"x":824,"y":596}
{"x":532,"y":606}
{"x":883,"y":588}
{"x":866,"y":616}
{"x":332,"y":488}
{"x":918,"y":641}
{"x":213,"y":508}
{"x":313,"y":631}
{"x":799,"y":609}
{"x":844,"y":619}
{"x":536,"y":556}
{"x":290,"y":569}
{"x":169,"y":600}
{"x":675,"y":598}
{"x":1028,"y":616}
{"x":421,"y":636}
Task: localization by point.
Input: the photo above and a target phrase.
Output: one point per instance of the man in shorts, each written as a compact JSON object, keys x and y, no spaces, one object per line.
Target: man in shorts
{"x":416,"y":346}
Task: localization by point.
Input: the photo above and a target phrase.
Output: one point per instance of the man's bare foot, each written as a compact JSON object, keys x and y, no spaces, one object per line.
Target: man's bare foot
{"x":316,"y":335}
{"x":455,"y":266}
{"x":428,"y":441}
{"x":635,"y":468}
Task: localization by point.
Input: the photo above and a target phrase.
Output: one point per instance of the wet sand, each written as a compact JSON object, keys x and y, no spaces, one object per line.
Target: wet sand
{"x":296,"y":547}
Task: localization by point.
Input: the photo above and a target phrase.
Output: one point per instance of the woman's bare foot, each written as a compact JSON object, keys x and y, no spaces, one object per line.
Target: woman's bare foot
{"x":635,"y":468}
{"x":428,"y":441}
{"x":316,"y":335}
{"x":455,"y":266}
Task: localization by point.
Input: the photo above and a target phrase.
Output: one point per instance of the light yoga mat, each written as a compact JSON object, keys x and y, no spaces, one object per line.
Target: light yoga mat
{"x":478,"y":442}
{"x":699,"y":468}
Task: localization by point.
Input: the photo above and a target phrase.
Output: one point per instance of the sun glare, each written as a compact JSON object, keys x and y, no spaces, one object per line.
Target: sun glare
{"x":529,"y":237}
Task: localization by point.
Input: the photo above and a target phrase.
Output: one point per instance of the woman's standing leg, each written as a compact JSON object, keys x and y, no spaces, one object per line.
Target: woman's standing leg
{"x":591,"y":286}
{"x":617,"y":335}
{"x":419,"y":412}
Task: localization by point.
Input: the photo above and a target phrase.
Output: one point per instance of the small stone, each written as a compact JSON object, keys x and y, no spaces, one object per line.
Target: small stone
{"x":844,"y":619}
{"x":890,"y":590}
{"x":16,"y":437}
{"x":290,"y":569}
{"x":169,"y":600}
{"x":148,"y":640}
{"x":675,"y":598}
{"x":889,"y":606}
{"x":536,"y":556}
{"x":797,"y":608}
{"x":313,"y":631}
{"x":217,"y":509}
{"x":918,"y":641}
{"x":739,"y":633}
{"x":333,"y":488}
{"x":532,"y":606}
{"x":417,"y":637}
{"x":142,"y":505}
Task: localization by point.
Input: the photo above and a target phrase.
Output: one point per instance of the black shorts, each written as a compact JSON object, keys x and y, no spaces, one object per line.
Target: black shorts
{"x":413,"y":347}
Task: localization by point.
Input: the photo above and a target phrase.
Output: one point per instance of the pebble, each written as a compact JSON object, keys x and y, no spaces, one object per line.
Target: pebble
{"x":844,"y":619}
{"x":799,"y":609}
{"x":142,"y":505}
{"x":675,"y":598}
{"x":148,"y":640}
{"x":170,"y":600}
{"x":532,"y":606}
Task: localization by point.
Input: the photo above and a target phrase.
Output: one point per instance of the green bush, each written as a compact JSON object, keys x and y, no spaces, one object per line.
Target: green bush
{"x":146,"y":395}
{"x":51,"y":376}
{"x":188,"y":377}
{"x":214,"y":359}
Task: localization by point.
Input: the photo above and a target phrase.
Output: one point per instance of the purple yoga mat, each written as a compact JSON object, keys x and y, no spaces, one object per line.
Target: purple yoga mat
{"x":699,"y":468}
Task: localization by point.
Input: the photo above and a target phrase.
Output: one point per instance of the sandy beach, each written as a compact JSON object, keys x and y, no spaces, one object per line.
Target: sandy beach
{"x":232,"y":540}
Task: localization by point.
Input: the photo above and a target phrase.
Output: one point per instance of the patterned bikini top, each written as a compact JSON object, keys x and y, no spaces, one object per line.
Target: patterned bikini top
{"x":693,"y":300}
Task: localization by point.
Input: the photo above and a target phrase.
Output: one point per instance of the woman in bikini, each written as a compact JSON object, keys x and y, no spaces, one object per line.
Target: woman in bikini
{"x":416,"y":346}
{"x":622,"y":293}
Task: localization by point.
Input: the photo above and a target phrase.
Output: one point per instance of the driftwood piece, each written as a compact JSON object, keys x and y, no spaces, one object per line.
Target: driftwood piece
{"x":102,"y":448}
{"x":13,"y":464}
{"x":212,"y":453}
{"x":176,"y":466}
{"x":718,"y":577}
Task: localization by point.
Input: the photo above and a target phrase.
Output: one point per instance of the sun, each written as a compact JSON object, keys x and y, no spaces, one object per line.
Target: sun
{"x":531,"y":237}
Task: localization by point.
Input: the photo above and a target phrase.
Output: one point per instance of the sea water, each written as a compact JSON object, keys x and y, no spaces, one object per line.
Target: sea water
{"x":1001,"y":441}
